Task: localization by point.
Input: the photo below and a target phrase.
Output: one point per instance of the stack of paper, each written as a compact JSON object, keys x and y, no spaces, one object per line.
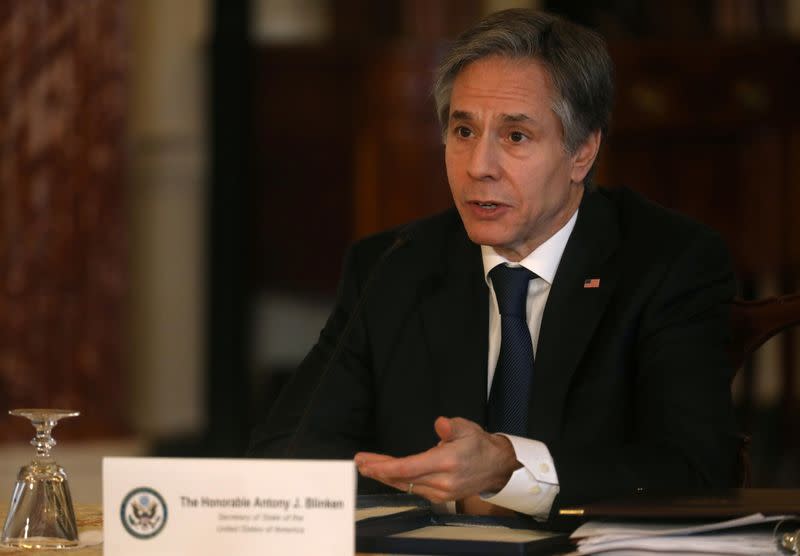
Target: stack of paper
{"x":736,"y":536}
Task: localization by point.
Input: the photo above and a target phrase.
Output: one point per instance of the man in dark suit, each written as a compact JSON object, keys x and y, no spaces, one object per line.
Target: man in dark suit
{"x":574,"y":337}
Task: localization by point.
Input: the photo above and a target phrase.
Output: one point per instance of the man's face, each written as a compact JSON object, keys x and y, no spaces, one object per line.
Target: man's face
{"x":512,"y":181}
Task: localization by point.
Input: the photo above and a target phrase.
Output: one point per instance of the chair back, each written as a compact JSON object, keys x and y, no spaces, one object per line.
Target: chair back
{"x":753,"y":323}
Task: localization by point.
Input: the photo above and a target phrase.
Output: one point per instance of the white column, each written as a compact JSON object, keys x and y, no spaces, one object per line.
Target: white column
{"x":167,"y":199}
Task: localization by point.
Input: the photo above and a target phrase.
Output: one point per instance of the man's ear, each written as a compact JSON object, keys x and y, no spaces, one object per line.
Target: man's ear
{"x":584,"y":157}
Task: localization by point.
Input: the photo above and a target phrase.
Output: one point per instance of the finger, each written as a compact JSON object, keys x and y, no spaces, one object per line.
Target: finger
{"x":433,"y":494}
{"x":434,"y":460}
{"x":442,"y":485}
{"x":362,"y":458}
{"x":399,"y":485}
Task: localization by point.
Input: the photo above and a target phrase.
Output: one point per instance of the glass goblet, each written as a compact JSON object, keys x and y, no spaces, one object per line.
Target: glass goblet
{"x":41,"y":515}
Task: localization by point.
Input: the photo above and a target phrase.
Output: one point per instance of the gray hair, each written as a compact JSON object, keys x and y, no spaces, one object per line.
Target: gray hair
{"x":576,"y":59}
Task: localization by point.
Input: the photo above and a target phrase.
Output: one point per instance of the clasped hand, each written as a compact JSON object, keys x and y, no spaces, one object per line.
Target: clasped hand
{"x":466,"y":461}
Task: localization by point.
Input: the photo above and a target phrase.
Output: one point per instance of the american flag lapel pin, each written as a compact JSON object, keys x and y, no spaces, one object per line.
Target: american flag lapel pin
{"x":591,"y":283}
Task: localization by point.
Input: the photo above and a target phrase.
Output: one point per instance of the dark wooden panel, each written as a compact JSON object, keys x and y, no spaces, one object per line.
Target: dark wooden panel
{"x":376,"y":23}
{"x":703,"y":128}
{"x":733,"y":183}
{"x":400,"y":156}
{"x":705,"y":85}
{"x":306,"y":105}
{"x":791,"y":208}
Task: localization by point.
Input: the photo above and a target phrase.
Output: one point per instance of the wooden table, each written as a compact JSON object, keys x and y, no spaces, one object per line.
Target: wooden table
{"x":88,"y":516}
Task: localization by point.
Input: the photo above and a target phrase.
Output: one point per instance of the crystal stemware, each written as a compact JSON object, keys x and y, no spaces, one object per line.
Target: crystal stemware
{"x":41,"y":515}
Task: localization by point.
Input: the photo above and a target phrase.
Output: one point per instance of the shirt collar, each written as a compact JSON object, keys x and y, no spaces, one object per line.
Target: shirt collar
{"x":543,"y":261}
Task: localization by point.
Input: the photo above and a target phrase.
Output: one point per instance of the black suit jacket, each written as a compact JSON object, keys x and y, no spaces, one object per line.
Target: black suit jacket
{"x":631,"y":385}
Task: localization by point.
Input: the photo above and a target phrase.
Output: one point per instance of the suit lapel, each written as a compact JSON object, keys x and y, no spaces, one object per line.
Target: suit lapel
{"x":572,"y":312}
{"x":455,"y":319}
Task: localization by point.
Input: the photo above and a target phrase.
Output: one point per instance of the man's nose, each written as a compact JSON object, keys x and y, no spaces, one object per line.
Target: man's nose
{"x":483,"y":162}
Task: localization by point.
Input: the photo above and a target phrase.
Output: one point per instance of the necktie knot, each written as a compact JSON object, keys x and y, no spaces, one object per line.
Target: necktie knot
{"x":510,"y":285}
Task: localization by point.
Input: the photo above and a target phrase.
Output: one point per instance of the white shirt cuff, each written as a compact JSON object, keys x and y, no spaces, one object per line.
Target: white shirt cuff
{"x":533,"y":487}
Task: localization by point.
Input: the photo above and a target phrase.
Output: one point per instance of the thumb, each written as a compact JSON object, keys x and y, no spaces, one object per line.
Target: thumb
{"x":444,"y":429}
{"x":451,"y":429}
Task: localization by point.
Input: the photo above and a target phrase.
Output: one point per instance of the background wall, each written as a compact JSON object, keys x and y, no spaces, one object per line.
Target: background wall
{"x":64,"y":273}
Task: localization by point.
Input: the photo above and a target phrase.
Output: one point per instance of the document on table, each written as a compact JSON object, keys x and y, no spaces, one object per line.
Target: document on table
{"x":381,"y":511}
{"x":735,"y":536}
{"x":476,"y":533}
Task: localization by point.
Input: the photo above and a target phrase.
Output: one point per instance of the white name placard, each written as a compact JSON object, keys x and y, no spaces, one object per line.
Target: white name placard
{"x":228,"y":506}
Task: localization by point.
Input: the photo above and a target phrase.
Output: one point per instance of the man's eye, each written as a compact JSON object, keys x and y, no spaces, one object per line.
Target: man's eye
{"x":462,"y":131}
{"x":516,"y":136}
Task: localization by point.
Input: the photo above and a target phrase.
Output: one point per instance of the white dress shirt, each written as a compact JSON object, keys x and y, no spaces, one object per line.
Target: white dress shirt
{"x":533,"y":487}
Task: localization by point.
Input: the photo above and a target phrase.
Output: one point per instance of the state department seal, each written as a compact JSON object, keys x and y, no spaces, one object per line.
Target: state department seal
{"x":143,"y":513}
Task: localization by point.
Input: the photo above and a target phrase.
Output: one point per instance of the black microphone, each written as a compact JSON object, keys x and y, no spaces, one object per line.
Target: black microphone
{"x":403,"y":238}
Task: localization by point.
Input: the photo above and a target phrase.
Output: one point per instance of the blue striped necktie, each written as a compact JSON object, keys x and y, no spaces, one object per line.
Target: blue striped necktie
{"x":508,"y":398}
